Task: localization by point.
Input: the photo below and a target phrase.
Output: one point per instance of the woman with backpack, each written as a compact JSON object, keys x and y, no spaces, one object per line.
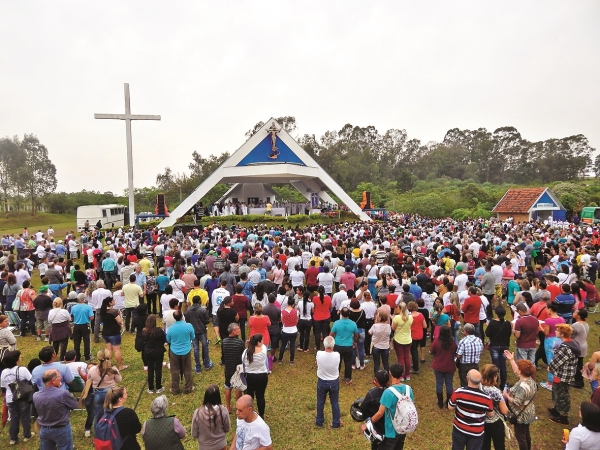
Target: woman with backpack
{"x":210,"y":422}
{"x":126,"y":421}
{"x":162,"y":431}
{"x":20,"y":410}
{"x":104,"y":377}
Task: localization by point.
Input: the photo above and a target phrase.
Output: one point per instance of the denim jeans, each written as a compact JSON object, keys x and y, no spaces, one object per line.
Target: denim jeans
{"x":331,"y":387}
{"x":56,"y":438}
{"x":99,"y":395}
{"x":360,"y":347}
{"x":549,"y":344}
{"x":456,"y":331}
{"x":201,"y":339}
{"x":499,"y":360}
{"x":526,"y":353}
{"x":384,"y":354}
{"x":442,"y":378}
{"x":462,"y":441}
{"x":20,"y":413}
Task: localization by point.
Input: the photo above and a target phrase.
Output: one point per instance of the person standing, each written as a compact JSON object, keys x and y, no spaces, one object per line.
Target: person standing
{"x":217,"y":297}
{"x":232,"y":349}
{"x":443,"y":349}
{"x":210,"y":422}
{"x":526,"y":330}
{"x":499,"y":331}
{"x":494,"y":427}
{"x":255,"y":360}
{"x":580,"y":334}
{"x":387,"y":409}
{"x":519,"y":399}
{"x":179,"y":336}
{"x":345,"y":333}
{"x":54,"y":405}
{"x":197,"y":315}
{"x":126,"y":419}
{"x":19,"y":409}
{"x":162,"y":431}
{"x":82,"y":316}
{"x":563,"y":367}
{"x":133,"y":293}
{"x":95,"y":301}
{"x":469,"y":351}
{"x":252,"y":433}
{"x":401,"y":324}
{"x":321,"y":316}
{"x":154,"y":339}
{"x":289,"y":331}
{"x":42,"y":304}
{"x":471,"y":308}
{"x":471,"y":406}
{"x":241,"y":304}
{"x":328,"y":382}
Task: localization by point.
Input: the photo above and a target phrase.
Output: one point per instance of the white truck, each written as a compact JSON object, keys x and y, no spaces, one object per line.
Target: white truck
{"x":110,"y":216}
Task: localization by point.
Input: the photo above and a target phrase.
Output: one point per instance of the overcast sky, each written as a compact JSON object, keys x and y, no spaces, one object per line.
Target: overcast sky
{"x":214,"y":69}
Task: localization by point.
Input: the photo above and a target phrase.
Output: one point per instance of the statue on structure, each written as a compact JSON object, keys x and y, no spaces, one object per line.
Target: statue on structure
{"x":274,"y":153}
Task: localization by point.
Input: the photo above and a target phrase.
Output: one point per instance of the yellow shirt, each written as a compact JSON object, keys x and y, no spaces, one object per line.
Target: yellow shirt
{"x":402,"y":333}
{"x":132,"y":294}
{"x":201,"y":293}
{"x":145,"y":264}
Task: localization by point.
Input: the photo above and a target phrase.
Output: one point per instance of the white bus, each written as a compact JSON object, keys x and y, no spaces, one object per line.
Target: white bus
{"x":111,"y":216}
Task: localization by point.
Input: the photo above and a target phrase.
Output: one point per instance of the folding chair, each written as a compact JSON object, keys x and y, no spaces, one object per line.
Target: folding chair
{"x":14,"y":322}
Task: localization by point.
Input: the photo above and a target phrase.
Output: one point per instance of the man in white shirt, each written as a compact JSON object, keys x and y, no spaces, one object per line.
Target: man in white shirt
{"x":95,"y":301}
{"x":336,"y":301}
{"x":460,"y":282}
{"x":252,"y":433}
{"x":328,"y":382}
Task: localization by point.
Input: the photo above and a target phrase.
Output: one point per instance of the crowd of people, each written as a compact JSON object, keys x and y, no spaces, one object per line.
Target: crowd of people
{"x":355,"y":290}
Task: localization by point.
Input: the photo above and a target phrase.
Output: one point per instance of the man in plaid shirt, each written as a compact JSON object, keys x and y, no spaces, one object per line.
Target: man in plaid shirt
{"x":563,"y":367}
{"x":469,"y":350}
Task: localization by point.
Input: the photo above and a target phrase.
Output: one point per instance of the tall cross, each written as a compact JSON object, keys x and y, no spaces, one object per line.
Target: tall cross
{"x":128,"y":117}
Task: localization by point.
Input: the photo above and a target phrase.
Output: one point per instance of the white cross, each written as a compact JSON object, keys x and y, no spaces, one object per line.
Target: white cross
{"x":128,"y":117}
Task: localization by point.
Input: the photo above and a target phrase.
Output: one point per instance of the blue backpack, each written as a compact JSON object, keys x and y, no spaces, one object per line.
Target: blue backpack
{"x":107,"y":435}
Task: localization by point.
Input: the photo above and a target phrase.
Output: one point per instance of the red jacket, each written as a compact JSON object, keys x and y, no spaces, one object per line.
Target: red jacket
{"x":471,"y":308}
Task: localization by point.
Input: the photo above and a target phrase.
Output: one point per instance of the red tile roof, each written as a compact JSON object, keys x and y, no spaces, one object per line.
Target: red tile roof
{"x":518,"y":200}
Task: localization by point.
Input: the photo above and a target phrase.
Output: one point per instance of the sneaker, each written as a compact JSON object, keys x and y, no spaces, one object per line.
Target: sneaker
{"x":367,"y":361}
{"x":150,"y":391}
{"x":415,"y":372}
{"x":546,"y":385}
{"x":38,"y":338}
{"x":353,"y":367}
{"x":562,"y":420}
{"x":198,"y":371}
{"x":280,"y":362}
{"x":87,"y":433}
{"x":29,"y":438}
{"x":168,"y":365}
{"x":407,"y":379}
{"x":45,"y":339}
{"x":160,"y":391}
{"x":210,"y":366}
{"x":401,"y":378}
{"x":291,"y":363}
{"x":13,"y":442}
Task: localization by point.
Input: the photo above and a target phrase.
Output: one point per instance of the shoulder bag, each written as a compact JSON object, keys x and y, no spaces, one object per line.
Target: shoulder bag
{"x":21,"y":388}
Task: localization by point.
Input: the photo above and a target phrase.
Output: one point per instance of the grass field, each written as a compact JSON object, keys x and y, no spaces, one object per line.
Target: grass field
{"x":291,"y":401}
{"x":14,"y":223}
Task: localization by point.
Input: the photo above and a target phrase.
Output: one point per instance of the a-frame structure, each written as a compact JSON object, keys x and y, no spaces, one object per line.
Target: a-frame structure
{"x":271,"y":155}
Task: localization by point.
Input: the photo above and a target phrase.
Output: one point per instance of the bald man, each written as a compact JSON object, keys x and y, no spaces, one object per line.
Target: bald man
{"x":470,"y":405}
{"x":252,"y":433}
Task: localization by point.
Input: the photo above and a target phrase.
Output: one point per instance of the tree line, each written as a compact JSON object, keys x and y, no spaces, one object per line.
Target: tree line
{"x":397,"y":169}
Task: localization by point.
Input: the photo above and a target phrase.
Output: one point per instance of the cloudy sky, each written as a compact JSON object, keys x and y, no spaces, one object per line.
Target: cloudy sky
{"x":214,"y":69}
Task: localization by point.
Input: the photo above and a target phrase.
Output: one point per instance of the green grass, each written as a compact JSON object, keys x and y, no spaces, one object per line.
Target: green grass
{"x":291,"y":400}
{"x":16,"y":221}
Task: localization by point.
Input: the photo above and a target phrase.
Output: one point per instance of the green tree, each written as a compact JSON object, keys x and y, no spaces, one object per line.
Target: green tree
{"x":38,"y":174}
{"x":12,"y":158}
{"x":571,"y":196}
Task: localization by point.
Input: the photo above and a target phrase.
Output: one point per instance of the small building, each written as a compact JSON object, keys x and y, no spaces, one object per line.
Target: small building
{"x":527,"y":204}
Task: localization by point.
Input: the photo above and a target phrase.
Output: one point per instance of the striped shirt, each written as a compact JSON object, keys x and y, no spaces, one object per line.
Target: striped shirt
{"x":472,"y":406}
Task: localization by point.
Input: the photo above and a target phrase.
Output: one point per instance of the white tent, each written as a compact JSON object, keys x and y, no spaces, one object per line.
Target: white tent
{"x":271,"y":155}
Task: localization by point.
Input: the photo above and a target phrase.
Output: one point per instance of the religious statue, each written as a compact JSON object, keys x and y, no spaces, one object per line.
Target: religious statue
{"x":274,"y":153}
